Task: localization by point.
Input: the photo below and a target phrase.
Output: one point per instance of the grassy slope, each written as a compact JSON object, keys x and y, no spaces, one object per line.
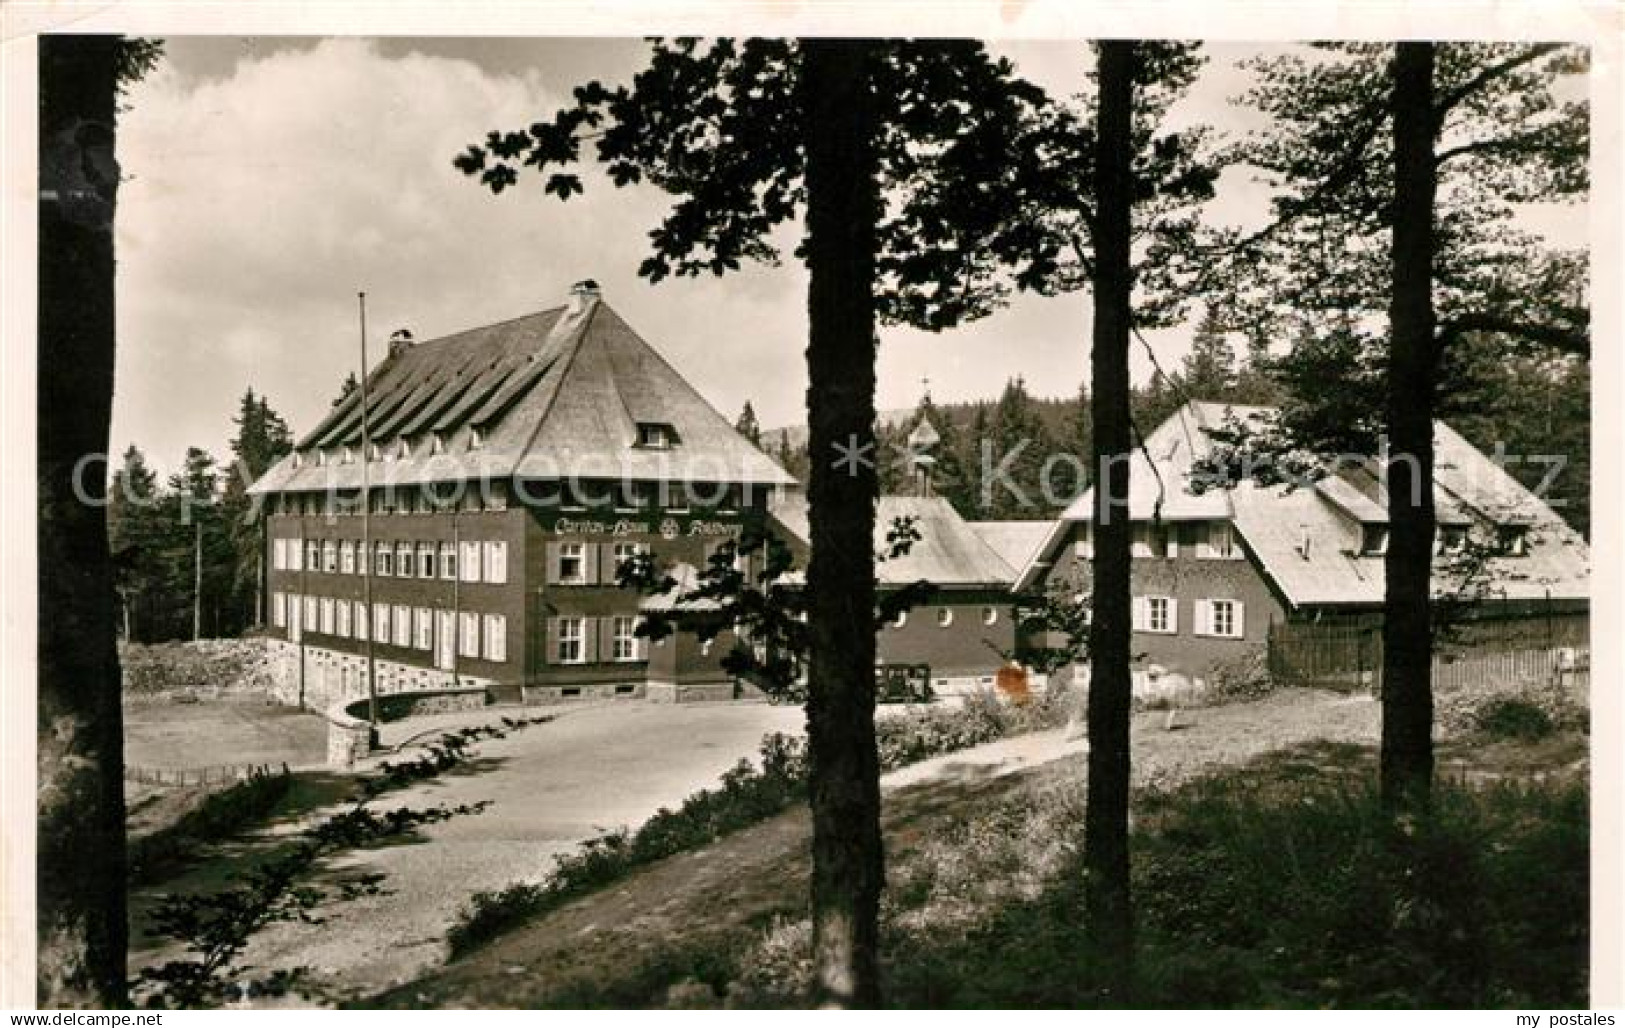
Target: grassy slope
{"x":685,"y":919}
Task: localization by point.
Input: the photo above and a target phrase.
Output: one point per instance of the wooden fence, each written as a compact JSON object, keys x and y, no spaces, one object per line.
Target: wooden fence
{"x":1348,"y":657}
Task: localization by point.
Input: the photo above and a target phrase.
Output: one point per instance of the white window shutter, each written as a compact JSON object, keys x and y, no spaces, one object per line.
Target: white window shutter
{"x":1173,"y":540}
{"x":1204,"y":617}
{"x":1241,"y":623}
{"x":1137,"y":613}
{"x":1173,"y":614}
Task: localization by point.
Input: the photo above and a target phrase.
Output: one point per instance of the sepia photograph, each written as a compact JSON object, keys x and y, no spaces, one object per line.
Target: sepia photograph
{"x":1005,"y":512}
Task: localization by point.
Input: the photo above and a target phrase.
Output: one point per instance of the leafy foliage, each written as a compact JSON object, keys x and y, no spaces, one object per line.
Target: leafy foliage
{"x":764,"y":609}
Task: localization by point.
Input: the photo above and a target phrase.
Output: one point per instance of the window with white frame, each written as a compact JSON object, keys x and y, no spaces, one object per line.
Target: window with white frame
{"x":313,"y":554}
{"x":624,"y":552}
{"x":899,"y":619}
{"x":1156,"y":614}
{"x":401,"y":622}
{"x":380,"y":622}
{"x":569,"y":642}
{"x":990,"y":616}
{"x":1224,"y":618}
{"x":330,"y":556}
{"x":425,"y":560}
{"x":295,"y":558}
{"x":347,"y":557}
{"x":1220,"y":543}
{"x":496,"y":561}
{"x":312,"y":612}
{"x":468,"y":561}
{"x":423,"y":628}
{"x":360,"y":609}
{"x":341,"y":619}
{"x":572,"y":563}
{"x":945,"y":617}
{"x":468,"y":642}
{"x":623,"y":638}
{"x":383,"y":563}
{"x":279,"y":554}
{"x":448,"y":561}
{"x":496,"y":637}
{"x":279,"y":610}
{"x":406,"y":560}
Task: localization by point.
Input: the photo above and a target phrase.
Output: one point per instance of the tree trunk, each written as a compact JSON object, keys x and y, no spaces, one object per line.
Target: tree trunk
{"x":197,"y":580}
{"x":81,"y":898}
{"x":1407,"y":693}
{"x":1106,"y":861}
{"x":842,"y":205}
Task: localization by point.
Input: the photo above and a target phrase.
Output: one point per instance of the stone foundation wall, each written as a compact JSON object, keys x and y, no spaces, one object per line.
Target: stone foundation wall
{"x":542,"y":695}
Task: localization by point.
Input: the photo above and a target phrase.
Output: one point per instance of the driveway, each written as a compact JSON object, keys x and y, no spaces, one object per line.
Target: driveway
{"x":550,"y":786}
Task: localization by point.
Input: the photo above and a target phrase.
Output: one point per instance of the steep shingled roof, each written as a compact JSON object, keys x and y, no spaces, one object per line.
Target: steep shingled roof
{"x":548,"y":395}
{"x":948,"y":553}
{"x":1274,"y":522}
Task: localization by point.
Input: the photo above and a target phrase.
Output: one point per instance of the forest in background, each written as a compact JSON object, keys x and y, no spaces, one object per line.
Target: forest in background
{"x":1537,"y":408}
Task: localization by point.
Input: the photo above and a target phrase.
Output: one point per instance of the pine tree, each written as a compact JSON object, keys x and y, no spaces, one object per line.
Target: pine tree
{"x":1404,"y":168}
{"x":135,"y":533}
{"x":747,"y":425}
{"x":1208,"y":371}
{"x":262,"y":439}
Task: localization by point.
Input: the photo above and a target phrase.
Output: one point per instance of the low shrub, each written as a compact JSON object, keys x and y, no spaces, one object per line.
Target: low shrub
{"x":1523,"y":711}
{"x":748,"y":793}
{"x":1240,"y":679}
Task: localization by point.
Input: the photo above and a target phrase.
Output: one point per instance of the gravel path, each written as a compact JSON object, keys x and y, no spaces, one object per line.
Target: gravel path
{"x":551,"y":786}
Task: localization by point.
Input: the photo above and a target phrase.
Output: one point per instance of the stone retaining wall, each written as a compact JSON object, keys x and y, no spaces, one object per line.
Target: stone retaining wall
{"x":333,"y":677}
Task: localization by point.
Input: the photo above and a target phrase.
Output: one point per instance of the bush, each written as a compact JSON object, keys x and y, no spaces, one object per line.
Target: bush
{"x":1525,"y":711}
{"x":748,"y":794}
{"x":211,"y":665}
{"x":1240,"y":679}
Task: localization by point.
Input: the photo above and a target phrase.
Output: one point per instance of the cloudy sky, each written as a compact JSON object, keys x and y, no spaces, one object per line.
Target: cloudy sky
{"x":271,"y":179}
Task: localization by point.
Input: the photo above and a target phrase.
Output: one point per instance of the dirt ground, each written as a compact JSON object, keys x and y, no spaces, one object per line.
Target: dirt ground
{"x":231,"y":729}
{"x":551,"y":787}
{"x":745,"y":881}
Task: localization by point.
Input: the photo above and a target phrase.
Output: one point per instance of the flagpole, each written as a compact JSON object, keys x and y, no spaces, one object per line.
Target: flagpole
{"x":369,"y":564}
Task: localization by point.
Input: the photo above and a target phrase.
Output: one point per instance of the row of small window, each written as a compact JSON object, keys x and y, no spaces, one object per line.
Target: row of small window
{"x":1208,"y":540}
{"x":1225,"y":619}
{"x":478,"y":561}
{"x":945,"y":617}
{"x":477,"y":635}
{"x":459,"y":496}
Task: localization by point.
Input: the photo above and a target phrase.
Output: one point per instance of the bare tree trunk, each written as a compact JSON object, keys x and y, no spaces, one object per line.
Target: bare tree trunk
{"x":1106,"y":860}
{"x":1407,"y":694}
{"x":81,"y":895}
{"x":197,"y":580}
{"x":842,"y":205}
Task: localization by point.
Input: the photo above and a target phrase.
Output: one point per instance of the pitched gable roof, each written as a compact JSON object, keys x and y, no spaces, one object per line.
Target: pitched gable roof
{"x":548,"y":395}
{"x":1274,"y":522}
{"x":948,"y":552}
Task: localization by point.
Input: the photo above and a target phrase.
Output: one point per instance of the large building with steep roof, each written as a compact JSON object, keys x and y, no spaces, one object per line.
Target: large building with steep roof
{"x":508,"y":470}
{"x":1214,"y":568}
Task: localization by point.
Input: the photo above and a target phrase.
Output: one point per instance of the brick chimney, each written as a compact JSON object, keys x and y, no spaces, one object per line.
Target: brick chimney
{"x":582,"y":295}
{"x":400,"y":341}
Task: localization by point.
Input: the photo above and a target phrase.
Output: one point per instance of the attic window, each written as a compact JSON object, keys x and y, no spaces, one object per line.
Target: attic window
{"x":654,"y":435}
{"x":437,"y":443}
{"x":403,"y":450}
{"x":1452,"y":538}
{"x":476,"y":439}
{"x":1373,"y":540}
{"x":347,"y":456}
{"x":1514,"y":540}
{"x":298,"y":459}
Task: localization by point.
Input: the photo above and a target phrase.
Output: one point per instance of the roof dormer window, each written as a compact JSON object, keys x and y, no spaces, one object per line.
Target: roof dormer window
{"x":1373,"y":540}
{"x":403,"y":450}
{"x":298,"y":460}
{"x":347,"y":455}
{"x":437,"y":444}
{"x":476,"y":439}
{"x":655,"y":435}
{"x":1513,"y":539}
